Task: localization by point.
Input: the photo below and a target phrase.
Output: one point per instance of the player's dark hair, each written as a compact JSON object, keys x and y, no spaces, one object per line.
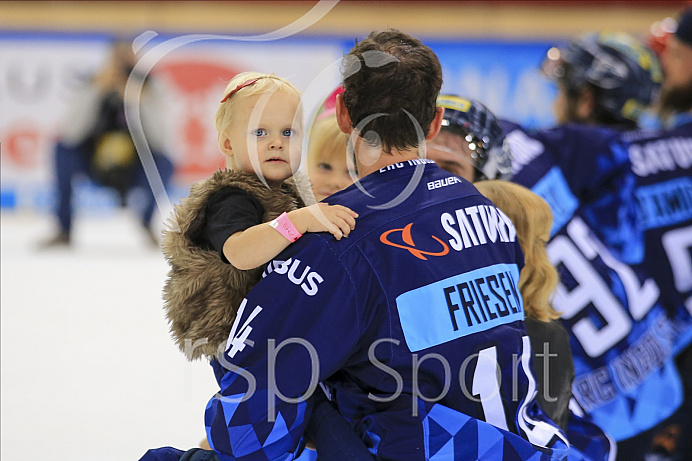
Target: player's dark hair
{"x":385,"y":76}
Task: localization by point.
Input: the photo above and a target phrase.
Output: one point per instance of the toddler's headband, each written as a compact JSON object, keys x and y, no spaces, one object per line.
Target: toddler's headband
{"x":239,"y":87}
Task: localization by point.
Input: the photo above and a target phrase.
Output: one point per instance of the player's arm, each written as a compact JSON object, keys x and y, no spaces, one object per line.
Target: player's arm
{"x":294,"y":329}
{"x":258,"y":244}
{"x":588,"y":156}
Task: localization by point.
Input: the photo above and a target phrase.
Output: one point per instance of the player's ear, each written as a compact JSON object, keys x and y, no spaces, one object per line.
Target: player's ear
{"x":342,"y":117}
{"x":436,"y":123}
{"x":586,"y":103}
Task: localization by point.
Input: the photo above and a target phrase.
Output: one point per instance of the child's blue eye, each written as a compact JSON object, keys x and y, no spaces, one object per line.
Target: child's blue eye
{"x":288,"y":132}
{"x":260,"y":132}
{"x":324,"y":166}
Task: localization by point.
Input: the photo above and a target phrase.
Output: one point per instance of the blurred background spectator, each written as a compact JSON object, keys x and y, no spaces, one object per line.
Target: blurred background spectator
{"x":95,"y":140}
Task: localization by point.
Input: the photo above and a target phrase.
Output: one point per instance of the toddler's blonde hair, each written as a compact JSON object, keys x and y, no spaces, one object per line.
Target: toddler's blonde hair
{"x":267,"y":83}
{"x":533,"y":219}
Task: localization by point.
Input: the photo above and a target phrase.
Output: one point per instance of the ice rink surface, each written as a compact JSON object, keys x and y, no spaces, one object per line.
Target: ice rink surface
{"x":89,"y":371}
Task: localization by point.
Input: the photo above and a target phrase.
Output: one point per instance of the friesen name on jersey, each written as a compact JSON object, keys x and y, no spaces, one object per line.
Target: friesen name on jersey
{"x":460,"y":305}
{"x":474,"y":299}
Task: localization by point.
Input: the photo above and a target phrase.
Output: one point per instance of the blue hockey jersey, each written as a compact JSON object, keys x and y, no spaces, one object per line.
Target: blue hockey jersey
{"x":414,"y":321}
{"x":622,"y":338}
{"x":661,"y":169}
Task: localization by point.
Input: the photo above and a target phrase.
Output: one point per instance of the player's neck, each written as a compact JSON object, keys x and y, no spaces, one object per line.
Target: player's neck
{"x":371,"y":159}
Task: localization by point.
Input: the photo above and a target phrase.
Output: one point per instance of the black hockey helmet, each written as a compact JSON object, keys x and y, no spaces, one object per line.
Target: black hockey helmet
{"x":477,"y":125}
{"x":625,"y":73}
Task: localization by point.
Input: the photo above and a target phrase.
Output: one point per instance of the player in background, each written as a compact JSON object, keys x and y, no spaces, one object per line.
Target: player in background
{"x":661,"y":163}
{"x":625,"y":334}
{"x":472,"y":144}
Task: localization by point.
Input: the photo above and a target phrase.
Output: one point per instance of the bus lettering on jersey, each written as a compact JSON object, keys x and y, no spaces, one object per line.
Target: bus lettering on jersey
{"x":308,"y":280}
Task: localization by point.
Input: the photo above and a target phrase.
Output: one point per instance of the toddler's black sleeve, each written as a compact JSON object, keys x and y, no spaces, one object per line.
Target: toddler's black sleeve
{"x":228,"y":211}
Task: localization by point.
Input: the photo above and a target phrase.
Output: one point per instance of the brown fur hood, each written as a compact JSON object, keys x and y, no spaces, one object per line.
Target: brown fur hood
{"x":202,"y":293}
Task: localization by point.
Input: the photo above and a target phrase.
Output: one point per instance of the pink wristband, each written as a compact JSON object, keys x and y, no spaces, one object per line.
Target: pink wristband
{"x":285,"y":227}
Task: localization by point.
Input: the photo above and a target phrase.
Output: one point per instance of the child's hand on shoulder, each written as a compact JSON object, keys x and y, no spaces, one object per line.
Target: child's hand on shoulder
{"x":338,"y":220}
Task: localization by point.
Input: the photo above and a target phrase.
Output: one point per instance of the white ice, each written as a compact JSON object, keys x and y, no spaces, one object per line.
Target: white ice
{"x":88,"y":368}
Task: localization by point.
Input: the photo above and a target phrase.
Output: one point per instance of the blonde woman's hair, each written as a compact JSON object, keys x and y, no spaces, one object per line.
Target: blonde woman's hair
{"x":533,"y":219}
{"x":266,"y":83}
{"x":326,"y":140}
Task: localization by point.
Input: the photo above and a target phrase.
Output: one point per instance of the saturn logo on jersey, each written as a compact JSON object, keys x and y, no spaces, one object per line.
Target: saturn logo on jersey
{"x":308,"y":280}
{"x":410,"y":245}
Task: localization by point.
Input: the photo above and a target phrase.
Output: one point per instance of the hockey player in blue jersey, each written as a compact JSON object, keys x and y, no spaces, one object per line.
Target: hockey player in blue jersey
{"x":471,"y":144}
{"x":661,"y":164}
{"x":414,"y":321}
{"x":624,"y":337}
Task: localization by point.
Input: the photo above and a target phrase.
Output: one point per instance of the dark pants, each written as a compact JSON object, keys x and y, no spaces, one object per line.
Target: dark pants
{"x":72,"y":161}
